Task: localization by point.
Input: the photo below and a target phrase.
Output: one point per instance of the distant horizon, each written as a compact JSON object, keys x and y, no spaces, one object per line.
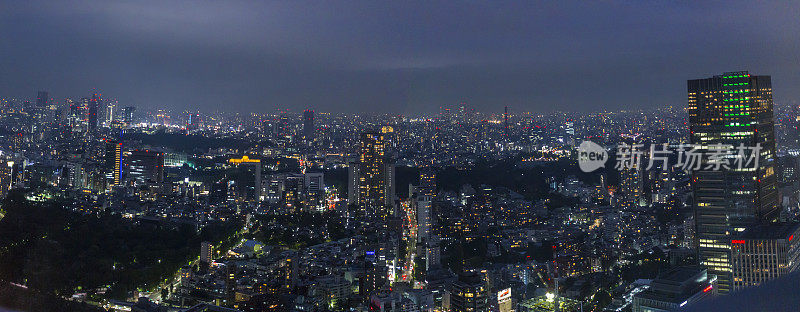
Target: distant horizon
{"x":407,"y":57}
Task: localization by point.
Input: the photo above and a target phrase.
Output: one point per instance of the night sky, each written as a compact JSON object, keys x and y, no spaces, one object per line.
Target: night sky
{"x":403,"y":57}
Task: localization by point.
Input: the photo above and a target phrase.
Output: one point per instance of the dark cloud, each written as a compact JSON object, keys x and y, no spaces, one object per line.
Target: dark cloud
{"x":391,"y":57}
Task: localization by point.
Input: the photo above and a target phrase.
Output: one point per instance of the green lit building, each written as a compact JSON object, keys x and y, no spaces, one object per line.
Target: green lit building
{"x":731,"y":109}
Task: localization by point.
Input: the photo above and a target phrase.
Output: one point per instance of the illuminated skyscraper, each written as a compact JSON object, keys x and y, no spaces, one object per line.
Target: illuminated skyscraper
{"x":468,"y":293}
{"x":631,"y":186}
{"x":6,"y":177}
{"x":732,"y":109}
{"x":112,"y":160}
{"x":146,"y":166}
{"x":372,"y":177}
{"x":427,"y":181}
{"x":127,"y":114}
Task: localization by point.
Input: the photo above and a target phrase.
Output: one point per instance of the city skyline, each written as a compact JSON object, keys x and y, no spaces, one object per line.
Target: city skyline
{"x":355,"y":156}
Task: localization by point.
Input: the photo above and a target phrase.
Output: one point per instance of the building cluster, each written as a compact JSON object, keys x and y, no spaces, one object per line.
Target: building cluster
{"x":454,"y":211}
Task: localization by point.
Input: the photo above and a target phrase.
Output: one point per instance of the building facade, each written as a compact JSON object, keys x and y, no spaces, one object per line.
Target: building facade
{"x":732,"y":109}
{"x":371,"y":178}
{"x":763,"y":253}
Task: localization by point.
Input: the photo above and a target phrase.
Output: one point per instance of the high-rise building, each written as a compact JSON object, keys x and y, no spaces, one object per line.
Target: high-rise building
{"x":765,"y":252}
{"x":308,"y":125}
{"x":371,"y":181}
{"x":249,"y":188}
{"x":422,"y":205}
{"x":427,"y":182}
{"x":631,"y":186}
{"x":314,"y":191}
{"x":146,"y":166}
{"x":110,"y":111}
{"x":468,"y":293}
{"x":112,"y":162}
{"x":94,"y":108}
{"x":6,"y":177}
{"x":433,"y":253}
{"x":506,"y":129}
{"x":674,"y":289}
{"x":127,"y":114}
{"x":731,"y":109}
{"x":206,"y":253}
{"x":42,"y":99}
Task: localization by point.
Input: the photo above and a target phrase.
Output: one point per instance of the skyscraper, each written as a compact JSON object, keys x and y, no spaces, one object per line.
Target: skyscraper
{"x":250,"y":180}
{"x":146,"y":166}
{"x":42,"y":99}
{"x":468,"y":293}
{"x":112,"y":161}
{"x":505,"y":122}
{"x":427,"y":181}
{"x":372,"y":177}
{"x":631,"y":186}
{"x":308,"y":125}
{"x":732,"y":109}
{"x":206,"y":253}
{"x":6,"y":177}
{"x":94,"y":107}
{"x":127,"y":114}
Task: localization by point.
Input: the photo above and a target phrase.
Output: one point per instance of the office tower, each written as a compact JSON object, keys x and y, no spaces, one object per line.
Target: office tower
{"x":127,"y":114}
{"x":335,"y":290}
{"x":111,"y":109}
{"x":193,"y":121}
{"x":433,"y":253}
{"x":94,"y":107}
{"x":427,"y":182}
{"x":314,"y":191}
{"x":249,"y":186}
{"x":631,"y":186}
{"x":371,"y":181}
{"x":732,"y":109}
{"x":146,"y":166}
{"x":764,"y":252}
{"x":206,"y":253}
{"x":374,"y":279}
{"x":6,"y":177}
{"x":422,"y":205}
{"x":674,"y":289}
{"x":280,"y":124}
{"x":112,"y":161}
{"x":462,"y":112}
{"x":174,"y":159}
{"x":308,"y":125}
{"x":506,"y":129}
{"x":468,"y":293}
{"x":42,"y":99}
{"x":75,"y":175}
